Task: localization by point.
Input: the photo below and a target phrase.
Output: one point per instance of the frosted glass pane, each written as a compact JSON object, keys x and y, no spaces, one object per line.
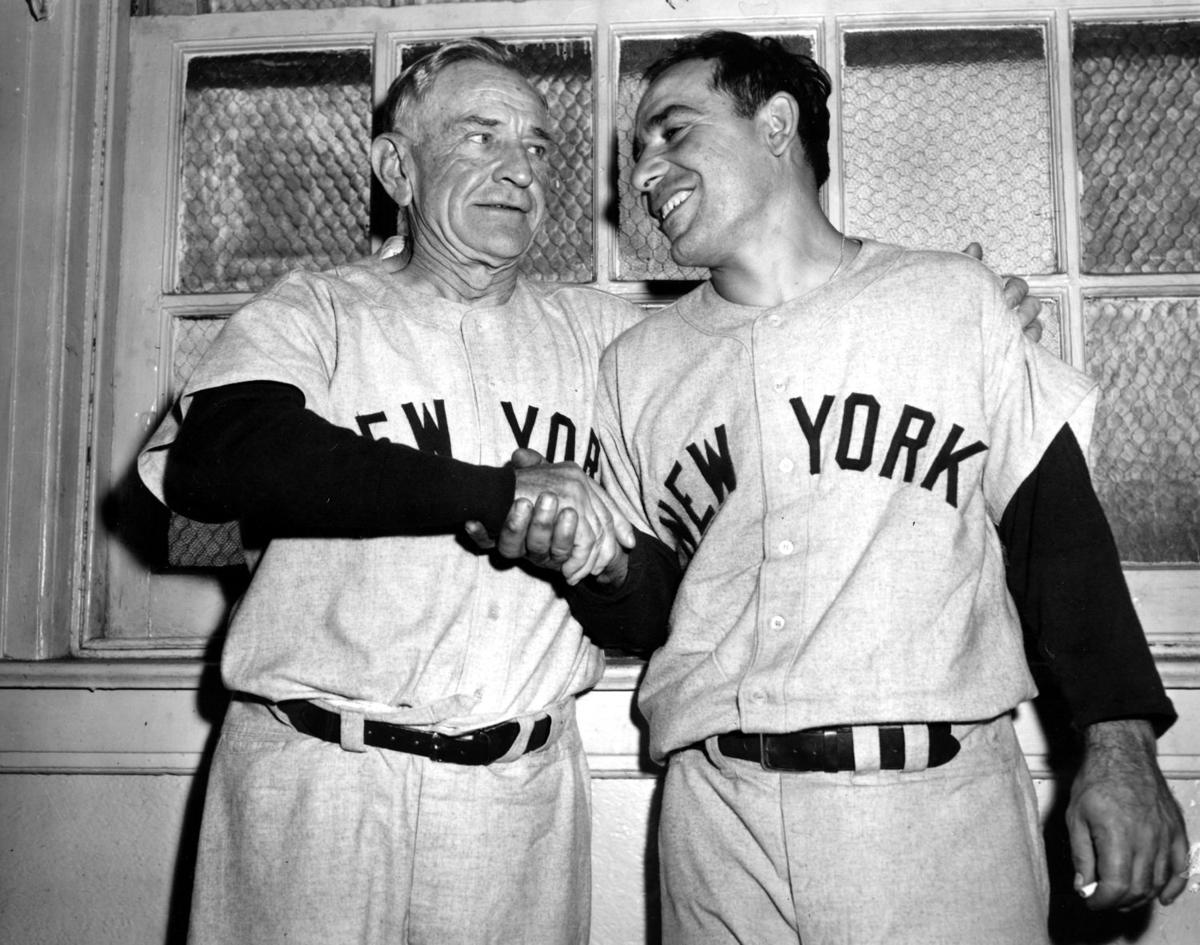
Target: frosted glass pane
{"x":275,"y":170}
{"x":947,"y":140}
{"x":1146,"y":355}
{"x":1137,"y":128}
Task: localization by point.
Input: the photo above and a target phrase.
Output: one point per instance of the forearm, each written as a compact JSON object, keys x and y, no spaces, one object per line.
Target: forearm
{"x":253,"y":452}
{"x":1065,"y":576}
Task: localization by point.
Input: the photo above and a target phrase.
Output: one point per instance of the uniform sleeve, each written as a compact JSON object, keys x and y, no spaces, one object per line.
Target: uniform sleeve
{"x":1065,"y":577}
{"x":252,"y":452}
{"x":1029,"y":395}
{"x":618,"y":470}
{"x":286,"y":335}
{"x":634,"y":618}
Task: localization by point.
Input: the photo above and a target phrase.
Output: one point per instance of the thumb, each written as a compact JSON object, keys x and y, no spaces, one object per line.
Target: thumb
{"x":1084,"y":857}
{"x":524,"y":458}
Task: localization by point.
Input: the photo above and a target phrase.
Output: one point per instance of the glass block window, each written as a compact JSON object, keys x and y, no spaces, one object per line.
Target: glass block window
{"x":642,"y":251}
{"x":274,"y":167}
{"x":1137,"y":129}
{"x":946,"y":137}
{"x":564,"y":250}
{"x":1145,"y":352}
{"x":192,"y":338}
{"x":1053,"y":336}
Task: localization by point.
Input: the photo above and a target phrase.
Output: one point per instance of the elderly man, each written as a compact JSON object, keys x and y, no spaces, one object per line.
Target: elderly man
{"x":873,"y":480}
{"x":400,"y":761}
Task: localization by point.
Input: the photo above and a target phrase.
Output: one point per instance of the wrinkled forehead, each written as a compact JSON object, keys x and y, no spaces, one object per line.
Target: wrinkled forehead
{"x":470,"y":87}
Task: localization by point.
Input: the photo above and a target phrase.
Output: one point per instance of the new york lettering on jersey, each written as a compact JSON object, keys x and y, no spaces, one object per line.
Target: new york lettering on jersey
{"x":701,"y":479}
{"x":556,"y":436}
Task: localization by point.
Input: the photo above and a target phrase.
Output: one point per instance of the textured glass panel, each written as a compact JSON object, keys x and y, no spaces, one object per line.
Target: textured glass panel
{"x":275,"y":169}
{"x":643,"y":252}
{"x":1052,"y":328}
{"x":562,"y":71}
{"x":192,"y":544}
{"x":1146,"y":355}
{"x":946,"y":136}
{"x":1137,"y":127}
{"x":192,"y":338}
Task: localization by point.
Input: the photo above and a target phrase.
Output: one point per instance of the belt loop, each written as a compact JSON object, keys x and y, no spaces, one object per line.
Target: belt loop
{"x":517,"y":749}
{"x":351,"y":730}
{"x":916,"y":747}
{"x":866,"y":748}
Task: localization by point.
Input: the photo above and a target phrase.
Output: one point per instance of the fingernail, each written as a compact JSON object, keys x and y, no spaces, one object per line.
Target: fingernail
{"x":1088,"y":890}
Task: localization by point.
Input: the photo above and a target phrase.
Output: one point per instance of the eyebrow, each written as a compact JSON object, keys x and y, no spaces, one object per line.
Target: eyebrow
{"x":537,"y":131}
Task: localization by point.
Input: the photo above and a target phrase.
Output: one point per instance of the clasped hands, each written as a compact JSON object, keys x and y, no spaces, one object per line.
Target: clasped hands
{"x":560,"y":520}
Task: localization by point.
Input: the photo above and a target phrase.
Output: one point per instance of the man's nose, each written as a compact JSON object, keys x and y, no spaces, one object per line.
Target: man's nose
{"x":647,"y":172}
{"x":515,"y":165}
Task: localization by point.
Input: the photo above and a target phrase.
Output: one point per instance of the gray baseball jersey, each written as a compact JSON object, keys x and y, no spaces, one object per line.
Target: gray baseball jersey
{"x":414,"y":629}
{"x":830,"y":471}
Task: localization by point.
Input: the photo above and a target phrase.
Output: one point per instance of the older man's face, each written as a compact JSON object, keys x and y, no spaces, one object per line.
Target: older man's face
{"x":482,"y":166}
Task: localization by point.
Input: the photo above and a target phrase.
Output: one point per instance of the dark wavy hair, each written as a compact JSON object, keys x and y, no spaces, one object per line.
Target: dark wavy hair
{"x":750,"y":70}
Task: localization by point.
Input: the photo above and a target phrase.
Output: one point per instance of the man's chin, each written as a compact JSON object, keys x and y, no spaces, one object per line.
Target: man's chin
{"x":684,"y":256}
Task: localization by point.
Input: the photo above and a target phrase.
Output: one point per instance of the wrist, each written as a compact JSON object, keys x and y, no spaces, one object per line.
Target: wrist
{"x":1128,"y":735}
{"x":613,"y":577}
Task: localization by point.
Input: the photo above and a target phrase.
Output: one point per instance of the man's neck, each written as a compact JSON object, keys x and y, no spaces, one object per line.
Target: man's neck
{"x":787,"y":270}
{"x":477,"y":284}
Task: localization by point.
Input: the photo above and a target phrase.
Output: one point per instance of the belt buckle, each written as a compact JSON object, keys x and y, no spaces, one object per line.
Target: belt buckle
{"x":763,"y":759}
{"x":473,"y":748}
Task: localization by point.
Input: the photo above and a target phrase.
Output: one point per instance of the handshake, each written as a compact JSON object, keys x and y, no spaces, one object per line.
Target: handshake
{"x":563,"y":521}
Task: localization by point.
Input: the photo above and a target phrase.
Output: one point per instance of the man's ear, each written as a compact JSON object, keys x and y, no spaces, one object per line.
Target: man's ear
{"x":389,"y":161}
{"x":781,"y":118}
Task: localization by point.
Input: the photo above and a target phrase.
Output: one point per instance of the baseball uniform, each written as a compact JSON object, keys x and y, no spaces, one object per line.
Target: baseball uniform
{"x":415,"y":629}
{"x":830,"y":471}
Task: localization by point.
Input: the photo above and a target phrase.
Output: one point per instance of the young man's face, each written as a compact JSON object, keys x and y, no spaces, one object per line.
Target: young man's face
{"x":699,"y":167}
{"x":480,"y":170}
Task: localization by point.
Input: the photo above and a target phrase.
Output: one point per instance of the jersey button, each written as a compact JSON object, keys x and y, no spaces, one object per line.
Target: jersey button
{"x":786,"y":465}
{"x":777,"y":623}
{"x":780,"y":386}
{"x":758,"y":696}
{"x":786,"y":547}
{"x":774,"y":321}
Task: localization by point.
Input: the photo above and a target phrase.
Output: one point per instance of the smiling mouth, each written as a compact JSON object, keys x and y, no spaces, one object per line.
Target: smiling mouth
{"x":670,"y":206}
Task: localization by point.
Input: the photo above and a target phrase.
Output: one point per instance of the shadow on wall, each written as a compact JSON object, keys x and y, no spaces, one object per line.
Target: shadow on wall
{"x":211,"y":701}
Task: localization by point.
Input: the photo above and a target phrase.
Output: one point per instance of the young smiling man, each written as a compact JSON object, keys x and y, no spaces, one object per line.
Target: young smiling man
{"x":856,"y":454}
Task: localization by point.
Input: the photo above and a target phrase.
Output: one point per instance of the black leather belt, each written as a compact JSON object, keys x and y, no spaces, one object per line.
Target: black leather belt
{"x":480,"y":747}
{"x":832,"y":749}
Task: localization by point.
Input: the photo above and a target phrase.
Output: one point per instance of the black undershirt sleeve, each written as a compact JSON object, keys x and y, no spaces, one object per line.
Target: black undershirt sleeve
{"x":251,"y":451}
{"x":1065,"y":577}
{"x":634,"y":618}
